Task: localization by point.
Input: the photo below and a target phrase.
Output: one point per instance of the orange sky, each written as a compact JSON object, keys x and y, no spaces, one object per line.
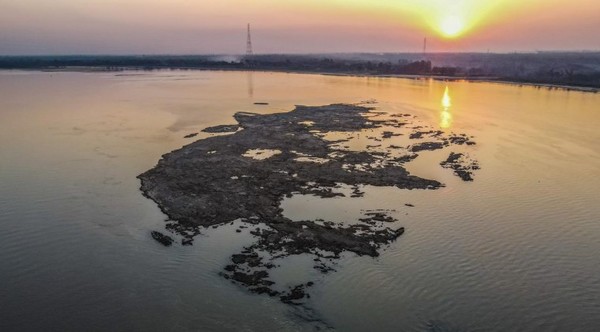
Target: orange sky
{"x":290,"y":26}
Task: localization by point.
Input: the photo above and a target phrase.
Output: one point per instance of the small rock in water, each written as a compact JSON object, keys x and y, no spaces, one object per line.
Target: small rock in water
{"x":163,"y":239}
{"x":389,"y":134}
{"x":427,"y":146}
{"x":462,"y":165}
{"x":221,"y":129}
{"x":295,"y":294}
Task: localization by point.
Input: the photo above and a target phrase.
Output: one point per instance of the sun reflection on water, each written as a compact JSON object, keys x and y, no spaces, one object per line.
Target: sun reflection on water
{"x":445,"y":115}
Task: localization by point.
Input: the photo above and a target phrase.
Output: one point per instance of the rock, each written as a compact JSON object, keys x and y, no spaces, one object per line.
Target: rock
{"x":264,"y":290}
{"x":161,"y":238}
{"x":372,"y":217}
{"x":460,"y":140}
{"x":221,"y":129}
{"x":295,"y":294}
{"x":252,"y":279}
{"x":389,"y":134}
{"x":252,"y":260}
{"x":427,"y":146}
{"x":416,"y":135}
{"x":462,"y":165}
{"x":190,"y":135}
{"x":464,"y":175}
{"x":453,"y":158}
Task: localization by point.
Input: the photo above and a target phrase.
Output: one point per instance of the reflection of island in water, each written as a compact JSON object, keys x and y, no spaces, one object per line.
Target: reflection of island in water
{"x":445,"y":115}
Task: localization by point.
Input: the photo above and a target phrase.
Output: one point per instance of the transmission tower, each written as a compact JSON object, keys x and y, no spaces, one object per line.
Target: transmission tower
{"x":249,"y":43}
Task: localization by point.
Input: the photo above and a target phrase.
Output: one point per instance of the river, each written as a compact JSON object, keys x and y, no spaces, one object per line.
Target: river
{"x":514,"y":250}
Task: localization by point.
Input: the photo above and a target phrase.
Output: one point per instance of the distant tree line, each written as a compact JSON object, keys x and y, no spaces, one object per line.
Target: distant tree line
{"x":547,"y":68}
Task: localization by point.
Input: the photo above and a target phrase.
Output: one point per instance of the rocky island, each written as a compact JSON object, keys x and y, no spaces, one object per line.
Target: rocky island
{"x":245,"y":170}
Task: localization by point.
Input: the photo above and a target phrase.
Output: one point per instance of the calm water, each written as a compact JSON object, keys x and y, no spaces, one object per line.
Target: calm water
{"x":516,"y":250}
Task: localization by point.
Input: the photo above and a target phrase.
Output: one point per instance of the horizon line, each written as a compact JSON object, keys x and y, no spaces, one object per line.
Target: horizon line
{"x":300,"y":53}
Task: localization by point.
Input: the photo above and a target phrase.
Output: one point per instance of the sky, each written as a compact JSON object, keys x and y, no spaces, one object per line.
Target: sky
{"x":57,"y":27}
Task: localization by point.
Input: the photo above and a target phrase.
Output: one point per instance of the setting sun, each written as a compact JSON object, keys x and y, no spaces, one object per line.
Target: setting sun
{"x":451,"y":26}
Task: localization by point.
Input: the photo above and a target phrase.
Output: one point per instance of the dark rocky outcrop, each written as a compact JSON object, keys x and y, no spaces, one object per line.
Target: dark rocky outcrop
{"x":218,"y":180}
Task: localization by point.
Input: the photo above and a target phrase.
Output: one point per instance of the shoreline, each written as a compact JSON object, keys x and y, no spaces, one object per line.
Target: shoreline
{"x":478,"y":80}
{"x":91,"y":69}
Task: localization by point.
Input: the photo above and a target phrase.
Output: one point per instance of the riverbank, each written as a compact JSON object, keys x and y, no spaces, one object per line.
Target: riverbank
{"x":475,"y":80}
{"x":565,"y":70}
{"x":566,"y":87}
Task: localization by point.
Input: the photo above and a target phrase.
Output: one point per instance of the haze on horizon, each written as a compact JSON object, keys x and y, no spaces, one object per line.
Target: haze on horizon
{"x":29,"y":27}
